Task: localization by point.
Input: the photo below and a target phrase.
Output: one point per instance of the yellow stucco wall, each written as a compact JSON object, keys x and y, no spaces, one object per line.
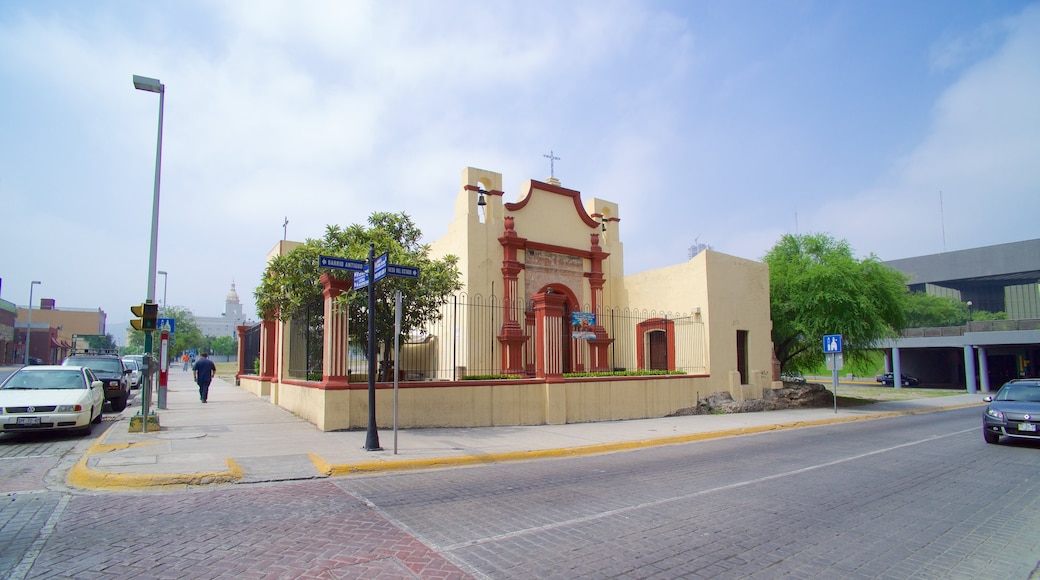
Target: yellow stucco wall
{"x":717,"y":293}
{"x":495,"y":403}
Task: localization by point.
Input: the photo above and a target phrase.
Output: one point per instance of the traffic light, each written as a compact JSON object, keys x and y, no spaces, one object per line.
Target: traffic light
{"x":147,"y":312}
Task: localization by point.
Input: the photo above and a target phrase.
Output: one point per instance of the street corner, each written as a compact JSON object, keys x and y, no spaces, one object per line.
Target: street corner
{"x":85,"y":476}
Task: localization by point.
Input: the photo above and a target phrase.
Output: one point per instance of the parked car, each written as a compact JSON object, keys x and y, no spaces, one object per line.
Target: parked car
{"x":135,"y":372}
{"x":112,"y":372}
{"x":51,"y":398}
{"x":792,"y":377}
{"x":908,"y":381}
{"x":1013,"y":412}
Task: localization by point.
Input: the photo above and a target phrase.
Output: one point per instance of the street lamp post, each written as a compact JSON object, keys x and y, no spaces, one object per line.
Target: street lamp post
{"x":163,"y":292}
{"x":152,"y":86}
{"x":28,"y":321}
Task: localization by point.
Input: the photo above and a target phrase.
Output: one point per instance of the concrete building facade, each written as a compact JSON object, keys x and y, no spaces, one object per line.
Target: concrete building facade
{"x":983,"y":354}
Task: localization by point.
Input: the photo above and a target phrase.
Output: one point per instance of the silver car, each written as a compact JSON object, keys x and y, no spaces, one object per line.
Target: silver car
{"x":135,"y":372}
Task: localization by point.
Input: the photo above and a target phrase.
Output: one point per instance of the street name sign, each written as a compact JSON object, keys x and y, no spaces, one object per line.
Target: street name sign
{"x":342,"y":263}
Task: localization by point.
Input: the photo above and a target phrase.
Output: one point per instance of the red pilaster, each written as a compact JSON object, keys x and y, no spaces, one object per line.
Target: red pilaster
{"x":512,"y":337}
{"x":336,"y":340}
{"x":268,"y":348}
{"x":549,"y":326}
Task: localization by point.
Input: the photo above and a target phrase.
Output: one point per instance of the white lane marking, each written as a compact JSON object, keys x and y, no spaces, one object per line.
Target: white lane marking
{"x":655,"y":503}
{"x":30,"y":556}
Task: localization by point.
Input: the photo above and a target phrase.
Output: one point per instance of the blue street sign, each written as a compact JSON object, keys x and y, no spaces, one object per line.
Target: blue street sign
{"x":341,"y":263}
{"x":380,"y":267}
{"x":402,"y":271}
{"x":831,"y":343}
{"x":360,"y":280}
{"x":167,"y":324}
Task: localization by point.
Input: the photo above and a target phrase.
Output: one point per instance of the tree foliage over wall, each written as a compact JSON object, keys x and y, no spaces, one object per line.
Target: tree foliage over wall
{"x":817,"y":287}
{"x":290,"y":288}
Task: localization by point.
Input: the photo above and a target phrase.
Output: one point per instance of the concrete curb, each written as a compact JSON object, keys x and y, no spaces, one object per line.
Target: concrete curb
{"x":83,"y":476}
{"x":437,"y":462}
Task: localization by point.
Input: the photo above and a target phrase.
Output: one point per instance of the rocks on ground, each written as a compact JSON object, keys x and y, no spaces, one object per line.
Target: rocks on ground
{"x":791,"y":396}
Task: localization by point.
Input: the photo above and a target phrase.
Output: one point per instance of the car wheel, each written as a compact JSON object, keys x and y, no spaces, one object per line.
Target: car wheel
{"x":119,"y":404}
{"x":84,"y":431}
{"x":990,"y":437}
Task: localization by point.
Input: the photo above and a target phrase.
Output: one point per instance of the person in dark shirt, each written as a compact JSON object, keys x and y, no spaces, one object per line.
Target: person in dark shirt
{"x":204,"y":370}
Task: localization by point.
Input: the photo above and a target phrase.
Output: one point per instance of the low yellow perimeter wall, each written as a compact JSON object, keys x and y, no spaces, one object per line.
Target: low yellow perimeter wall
{"x":334,"y":407}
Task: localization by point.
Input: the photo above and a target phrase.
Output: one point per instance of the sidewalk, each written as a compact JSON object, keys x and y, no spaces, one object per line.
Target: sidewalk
{"x":239,"y":438}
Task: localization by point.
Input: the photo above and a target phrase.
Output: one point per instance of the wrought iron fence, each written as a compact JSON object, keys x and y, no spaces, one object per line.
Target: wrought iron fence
{"x":306,"y":339}
{"x":464,"y":342}
{"x":250,"y":349}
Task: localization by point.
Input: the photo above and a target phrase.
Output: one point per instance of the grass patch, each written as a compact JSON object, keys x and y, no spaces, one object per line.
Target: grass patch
{"x":227,"y":370}
{"x":856,"y":395}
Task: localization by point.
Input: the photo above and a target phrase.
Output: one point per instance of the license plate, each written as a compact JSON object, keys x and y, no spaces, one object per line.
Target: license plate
{"x":28,"y":421}
{"x":1027,"y":427}
{"x":113,"y":387}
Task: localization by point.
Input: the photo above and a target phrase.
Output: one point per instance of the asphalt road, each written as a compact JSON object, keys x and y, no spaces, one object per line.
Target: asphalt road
{"x":918,"y":496}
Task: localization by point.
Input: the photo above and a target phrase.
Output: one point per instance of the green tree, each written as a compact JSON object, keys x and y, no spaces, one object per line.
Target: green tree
{"x":925,"y":310}
{"x":98,"y":341}
{"x":290,"y":288}
{"x":223,"y":345}
{"x":817,"y":287}
{"x":186,"y":334}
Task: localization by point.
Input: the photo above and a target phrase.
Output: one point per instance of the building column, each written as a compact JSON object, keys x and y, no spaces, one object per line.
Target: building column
{"x":969,"y":369}
{"x":598,"y":346}
{"x":242,"y":350}
{"x":268,"y":349}
{"x":897,"y":369}
{"x":549,"y":325}
{"x":336,"y":338}
{"x":512,"y":337}
{"x":983,"y":371}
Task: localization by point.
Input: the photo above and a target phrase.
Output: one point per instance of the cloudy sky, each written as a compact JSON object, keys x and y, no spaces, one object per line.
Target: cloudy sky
{"x":906,"y":128}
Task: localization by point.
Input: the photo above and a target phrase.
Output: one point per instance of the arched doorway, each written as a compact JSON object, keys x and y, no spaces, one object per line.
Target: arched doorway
{"x":658,"y":350}
{"x":553,"y":306}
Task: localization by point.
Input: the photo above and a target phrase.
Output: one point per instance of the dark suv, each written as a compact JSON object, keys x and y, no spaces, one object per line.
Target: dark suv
{"x":110,"y":370}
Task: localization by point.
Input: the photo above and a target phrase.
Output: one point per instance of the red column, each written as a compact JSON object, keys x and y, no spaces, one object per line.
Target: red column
{"x":242,"y":350}
{"x":598,"y":346}
{"x":268,"y":348}
{"x":512,"y":337}
{"x":336,"y":339}
{"x":548,"y":338}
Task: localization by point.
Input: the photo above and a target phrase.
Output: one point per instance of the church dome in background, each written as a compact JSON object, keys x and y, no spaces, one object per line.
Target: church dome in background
{"x":232,"y":296}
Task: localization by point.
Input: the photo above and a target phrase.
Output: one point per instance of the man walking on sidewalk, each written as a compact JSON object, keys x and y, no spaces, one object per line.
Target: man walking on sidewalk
{"x":204,"y":370}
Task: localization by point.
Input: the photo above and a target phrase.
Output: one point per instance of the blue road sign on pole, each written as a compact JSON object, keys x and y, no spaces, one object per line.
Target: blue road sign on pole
{"x":381,"y":267}
{"x":360,"y":280}
{"x":167,"y":324}
{"x":341,"y":263}
{"x":402,"y":271}
{"x":832,"y":343}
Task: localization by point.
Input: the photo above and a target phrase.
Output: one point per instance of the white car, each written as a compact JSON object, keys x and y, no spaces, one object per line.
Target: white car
{"x":51,"y":398}
{"x":135,"y":372}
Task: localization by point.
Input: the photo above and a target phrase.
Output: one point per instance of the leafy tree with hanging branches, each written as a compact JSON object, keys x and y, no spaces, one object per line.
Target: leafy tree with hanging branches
{"x":817,"y":287}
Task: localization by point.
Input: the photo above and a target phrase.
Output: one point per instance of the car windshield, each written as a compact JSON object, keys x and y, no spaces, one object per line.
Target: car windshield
{"x":105,"y":365}
{"x":131,"y":364}
{"x":1030,"y":393}
{"x":48,"y":379}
